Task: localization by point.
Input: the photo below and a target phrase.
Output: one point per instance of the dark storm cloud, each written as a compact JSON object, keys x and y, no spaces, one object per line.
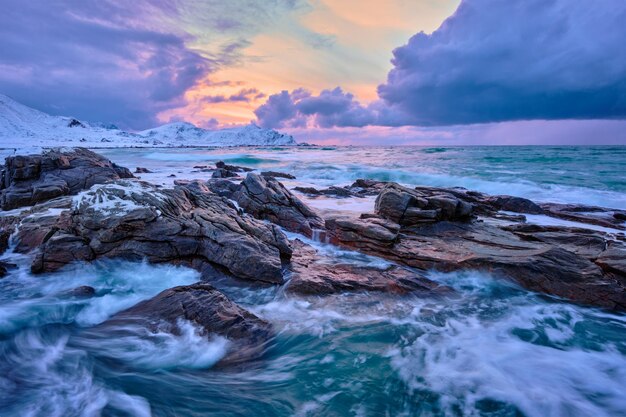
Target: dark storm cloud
{"x":493,"y":60}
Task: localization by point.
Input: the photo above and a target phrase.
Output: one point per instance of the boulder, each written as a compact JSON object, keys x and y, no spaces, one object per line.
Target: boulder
{"x":140,"y":170}
{"x":31,"y":179}
{"x":267,"y":199}
{"x":407,"y":207}
{"x":210,"y":311}
{"x":224,"y":173}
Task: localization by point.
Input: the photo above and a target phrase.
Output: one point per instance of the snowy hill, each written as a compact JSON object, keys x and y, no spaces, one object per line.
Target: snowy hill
{"x":22,"y":127}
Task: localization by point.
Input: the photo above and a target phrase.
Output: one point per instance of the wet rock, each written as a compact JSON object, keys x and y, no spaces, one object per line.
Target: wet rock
{"x":224,"y":173}
{"x":5,"y":267}
{"x":31,"y":179}
{"x":7,"y":227}
{"x":586,"y":214}
{"x":275,"y":174}
{"x":223,"y":187}
{"x":313,"y":274}
{"x":514,"y":204}
{"x":233,"y":168}
{"x":267,"y":199}
{"x":330,"y":191}
{"x":613,"y":259}
{"x":583,"y":242}
{"x":140,"y":170}
{"x":541,"y":266}
{"x":208,"y":310}
{"x":84,"y":291}
{"x":188,"y":224}
{"x":406,"y":206}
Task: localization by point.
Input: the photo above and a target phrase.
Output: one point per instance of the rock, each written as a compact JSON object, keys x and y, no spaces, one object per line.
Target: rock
{"x":537,"y":265}
{"x":583,"y":242}
{"x":5,"y":267}
{"x":514,"y":204}
{"x":620,"y":215}
{"x":209,"y":311}
{"x":330,"y":191}
{"x":224,"y":173}
{"x":172,"y":176}
{"x":275,"y":174}
{"x":223,"y":187}
{"x":84,"y":291}
{"x":312,"y":274}
{"x":31,"y":179}
{"x":613,"y":259}
{"x":585,"y":214}
{"x":140,"y":170}
{"x":267,"y":199}
{"x":407,"y":207}
{"x":188,"y":224}
{"x":7,"y":227}
{"x":234,"y":168}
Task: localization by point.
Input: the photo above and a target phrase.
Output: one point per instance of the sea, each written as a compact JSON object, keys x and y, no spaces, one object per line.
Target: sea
{"x":495,"y":350}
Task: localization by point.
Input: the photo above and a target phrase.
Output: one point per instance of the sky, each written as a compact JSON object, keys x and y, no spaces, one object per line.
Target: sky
{"x":329,"y":71}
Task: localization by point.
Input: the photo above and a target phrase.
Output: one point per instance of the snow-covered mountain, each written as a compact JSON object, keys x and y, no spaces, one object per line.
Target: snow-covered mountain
{"x":22,"y":126}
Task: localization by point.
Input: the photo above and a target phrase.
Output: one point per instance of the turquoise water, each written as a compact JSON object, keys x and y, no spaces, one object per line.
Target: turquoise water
{"x":571,"y":174}
{"x":495,"y":350}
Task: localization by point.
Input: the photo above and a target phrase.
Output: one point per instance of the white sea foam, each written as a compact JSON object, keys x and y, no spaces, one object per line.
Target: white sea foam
{"x":141,"y":348}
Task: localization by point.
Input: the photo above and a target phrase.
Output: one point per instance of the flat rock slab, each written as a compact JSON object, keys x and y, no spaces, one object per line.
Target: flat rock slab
{"x":314,"y":274}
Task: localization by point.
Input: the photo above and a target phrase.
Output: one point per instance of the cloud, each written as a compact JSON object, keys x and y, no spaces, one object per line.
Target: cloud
{"x":491,"y":61}
{"x":497,"y":60}
{"x":119,"y":61}
{"x":244,"y":95}
{"x":331,"y":108}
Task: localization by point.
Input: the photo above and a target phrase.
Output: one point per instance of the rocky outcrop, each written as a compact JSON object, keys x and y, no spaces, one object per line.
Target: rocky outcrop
{"x":187,"y":224}
{"x":27,"y":180}
{"x":538,"y":265}
{"x":406,"y":206}
{"x":314,"y":274}
{"x":209,"y":311}
{"x":267,"y":199}
{"x":275,"y":174}
{"x":141,"y":170}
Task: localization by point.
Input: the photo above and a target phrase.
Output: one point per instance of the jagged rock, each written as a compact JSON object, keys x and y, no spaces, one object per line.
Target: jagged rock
{"x":31,"y":179}
{"x":208,"y":310}
{"x":7,"y":227}
{"x":233,"y":168}
{"x":406,"y":206}
{"x":536,"y":265}
{"x":311,"y":274}
{"x":268,"y":199}
{"x":140,"y":170}
{"x":224,"y":173}
{"x":187,"y":224}
{"x":332,"y":191}
{"x":223,"y":187}
{"x":275,"y":174}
